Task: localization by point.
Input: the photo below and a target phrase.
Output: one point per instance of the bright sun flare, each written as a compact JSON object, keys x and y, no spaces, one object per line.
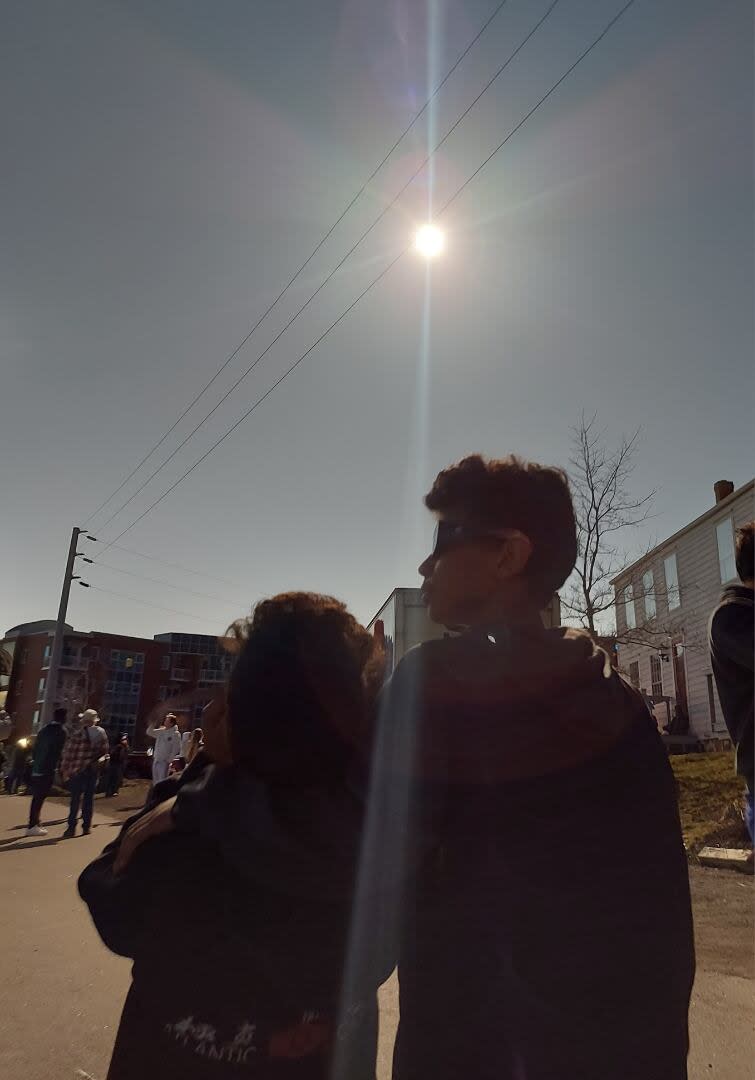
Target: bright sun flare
{"x":429,"y":241}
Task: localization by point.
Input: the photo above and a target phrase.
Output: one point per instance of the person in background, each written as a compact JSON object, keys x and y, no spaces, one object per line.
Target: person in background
{"x":196,"y":745}
{"x":20,"y":757}
{"x":269,"y":840}
{"x":117,"y":766}
{"x":167,"y":746}
{"x":547,"y":932}
{"x":48,"y":749}
{"x":85,"y":750}
{"x":732,"y":643}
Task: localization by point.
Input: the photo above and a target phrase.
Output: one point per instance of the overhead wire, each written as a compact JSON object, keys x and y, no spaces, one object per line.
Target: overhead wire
{"x":176,"y":566}
{"x":159,"y":581}
{"x":386,"y":209}
{"x":147,"y":603}
{"x":308,"y":260}
{"x":379,"y":277}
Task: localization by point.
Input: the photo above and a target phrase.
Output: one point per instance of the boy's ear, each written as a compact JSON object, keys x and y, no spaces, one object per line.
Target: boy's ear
{"x":515,"y":553}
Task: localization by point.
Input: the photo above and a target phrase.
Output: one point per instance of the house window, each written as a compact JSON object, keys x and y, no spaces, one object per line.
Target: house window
{"x":629,"y":613}
{"x":711,"y":702}
{"x":35,"y":721}
{"x":656,"y":676}
{"x":41,"y":687}
{"x":46,"y":655}
{"x":725,"y":542}
{"x":672,"y":582}
{"x":648,"y":590}
{"x":634,"y":674}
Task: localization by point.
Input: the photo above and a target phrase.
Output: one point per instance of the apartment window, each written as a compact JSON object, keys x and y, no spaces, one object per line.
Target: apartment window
{"x":648,"y":589}
{"x":163,"y":693}
{"x":629,"y":613}
{"x":165,"y":663}
{"x":46,"y":655}
{"x":114,"y":656}
{"x":634,"y":674}
{"x":95,"y":653}
{"x":41,"y":687}
{"x":35,"y":720}
{"x":24,"y":655}
{"x":656,"y":676}
{"x":711,"y":702}
{"x":725,"y":542}
{"x":672,"y":582}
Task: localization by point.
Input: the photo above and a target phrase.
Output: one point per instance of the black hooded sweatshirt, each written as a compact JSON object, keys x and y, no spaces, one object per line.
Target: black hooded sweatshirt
{"x":238,"y":924}
{"x":548,"y":934}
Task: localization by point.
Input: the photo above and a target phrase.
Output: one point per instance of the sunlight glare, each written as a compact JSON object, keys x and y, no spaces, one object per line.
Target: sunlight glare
{"x":429,"y":241}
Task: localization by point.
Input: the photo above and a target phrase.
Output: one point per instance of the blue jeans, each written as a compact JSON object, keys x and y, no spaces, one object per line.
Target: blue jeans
{"x":82,"y":791}
{"x":750,"y":814}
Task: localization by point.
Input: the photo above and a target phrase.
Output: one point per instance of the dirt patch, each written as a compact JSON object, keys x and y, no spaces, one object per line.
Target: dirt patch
{"x":723,"y":905}
{"x":710,"y":801}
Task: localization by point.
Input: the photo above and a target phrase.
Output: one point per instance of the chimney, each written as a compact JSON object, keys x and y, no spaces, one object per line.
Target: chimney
{"x":722,"y":489}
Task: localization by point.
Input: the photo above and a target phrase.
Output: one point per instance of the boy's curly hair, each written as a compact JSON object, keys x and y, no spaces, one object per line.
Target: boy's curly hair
{"x":515,"y":494}
{"x":302,"y":689}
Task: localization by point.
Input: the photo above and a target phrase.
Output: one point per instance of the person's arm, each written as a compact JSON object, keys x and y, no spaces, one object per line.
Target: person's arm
{"x":153,"y":731}
{"x":732,"y":634}
{"x":130,"y":909}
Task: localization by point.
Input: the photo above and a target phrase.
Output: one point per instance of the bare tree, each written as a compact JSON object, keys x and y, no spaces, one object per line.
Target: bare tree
{"x":606,"y":511}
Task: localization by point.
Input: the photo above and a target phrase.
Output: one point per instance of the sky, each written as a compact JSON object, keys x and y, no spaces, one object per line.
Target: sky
{"x":166,"y":169}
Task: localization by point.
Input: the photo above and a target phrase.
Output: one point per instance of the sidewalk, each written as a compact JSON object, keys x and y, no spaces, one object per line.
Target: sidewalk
{"x":62,"y":995}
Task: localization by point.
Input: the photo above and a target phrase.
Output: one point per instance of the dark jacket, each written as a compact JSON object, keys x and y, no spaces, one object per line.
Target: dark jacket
{"x":239,"y":925}
{"x":548,"y":935}
{"x":732,"y":649}
{"x":48,"y":749}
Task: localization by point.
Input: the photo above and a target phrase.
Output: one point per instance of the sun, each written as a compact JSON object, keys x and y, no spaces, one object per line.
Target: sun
{"x":429,"y":240}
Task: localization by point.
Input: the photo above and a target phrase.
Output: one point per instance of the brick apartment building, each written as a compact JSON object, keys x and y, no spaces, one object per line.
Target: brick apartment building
{"x":122,"y":677}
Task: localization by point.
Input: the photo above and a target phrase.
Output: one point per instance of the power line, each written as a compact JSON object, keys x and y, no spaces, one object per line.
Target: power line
{"x":146,"y":603}
{"x":377,"y":279}
{"x":158,"y":581}
{"x":309,"y":258}
{"x":177,"y":566}
{"x":386,"y":209}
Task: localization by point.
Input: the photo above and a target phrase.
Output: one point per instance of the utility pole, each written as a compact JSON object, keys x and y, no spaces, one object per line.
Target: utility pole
{"x":56,"y":653}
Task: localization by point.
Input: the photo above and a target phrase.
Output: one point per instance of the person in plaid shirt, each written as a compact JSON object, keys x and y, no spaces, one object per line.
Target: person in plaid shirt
{"x":85,"y":747}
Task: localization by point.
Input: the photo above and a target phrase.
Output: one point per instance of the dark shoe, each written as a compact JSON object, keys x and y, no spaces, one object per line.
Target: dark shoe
{"x":85,"y":831}
{"x":69,"y":833}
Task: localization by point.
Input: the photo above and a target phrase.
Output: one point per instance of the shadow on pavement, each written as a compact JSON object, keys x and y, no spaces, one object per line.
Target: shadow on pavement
{"x":13,"y":845}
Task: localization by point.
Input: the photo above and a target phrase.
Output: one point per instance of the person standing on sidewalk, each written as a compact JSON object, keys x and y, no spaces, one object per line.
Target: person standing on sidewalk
{"x":167,"y":746}
{"x":732,"y":634}
{"x":546,"y":925}
{"x":117,"y":766}
{"x":47,"y":752}
{"x":85,"y":748}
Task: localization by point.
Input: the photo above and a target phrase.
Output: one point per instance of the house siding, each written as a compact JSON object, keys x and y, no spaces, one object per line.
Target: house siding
{"x":700,"y":587}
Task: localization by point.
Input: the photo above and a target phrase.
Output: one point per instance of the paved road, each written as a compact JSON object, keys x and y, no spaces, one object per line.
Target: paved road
{"x":61,"y":992}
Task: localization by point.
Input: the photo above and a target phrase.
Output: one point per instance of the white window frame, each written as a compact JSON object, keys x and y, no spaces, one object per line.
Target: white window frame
{"x":634,"y":663}
{"x":628,"y":595}
{"x":673,"y":592}
{"x":648,"y":593}
{"x":655,"y":661}
{"x":727,"y":566}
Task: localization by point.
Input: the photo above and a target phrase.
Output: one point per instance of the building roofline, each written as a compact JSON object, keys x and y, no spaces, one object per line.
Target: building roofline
{"x":715,"y":509}
{"x":391,"y":594}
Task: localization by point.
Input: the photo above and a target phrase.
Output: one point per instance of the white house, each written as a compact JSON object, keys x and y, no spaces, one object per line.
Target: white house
{"x":663,"y":604}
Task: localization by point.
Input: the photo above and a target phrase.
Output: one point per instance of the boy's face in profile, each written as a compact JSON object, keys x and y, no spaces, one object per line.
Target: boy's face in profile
{"x":470,"y":579}
{"x":460,"y":580}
